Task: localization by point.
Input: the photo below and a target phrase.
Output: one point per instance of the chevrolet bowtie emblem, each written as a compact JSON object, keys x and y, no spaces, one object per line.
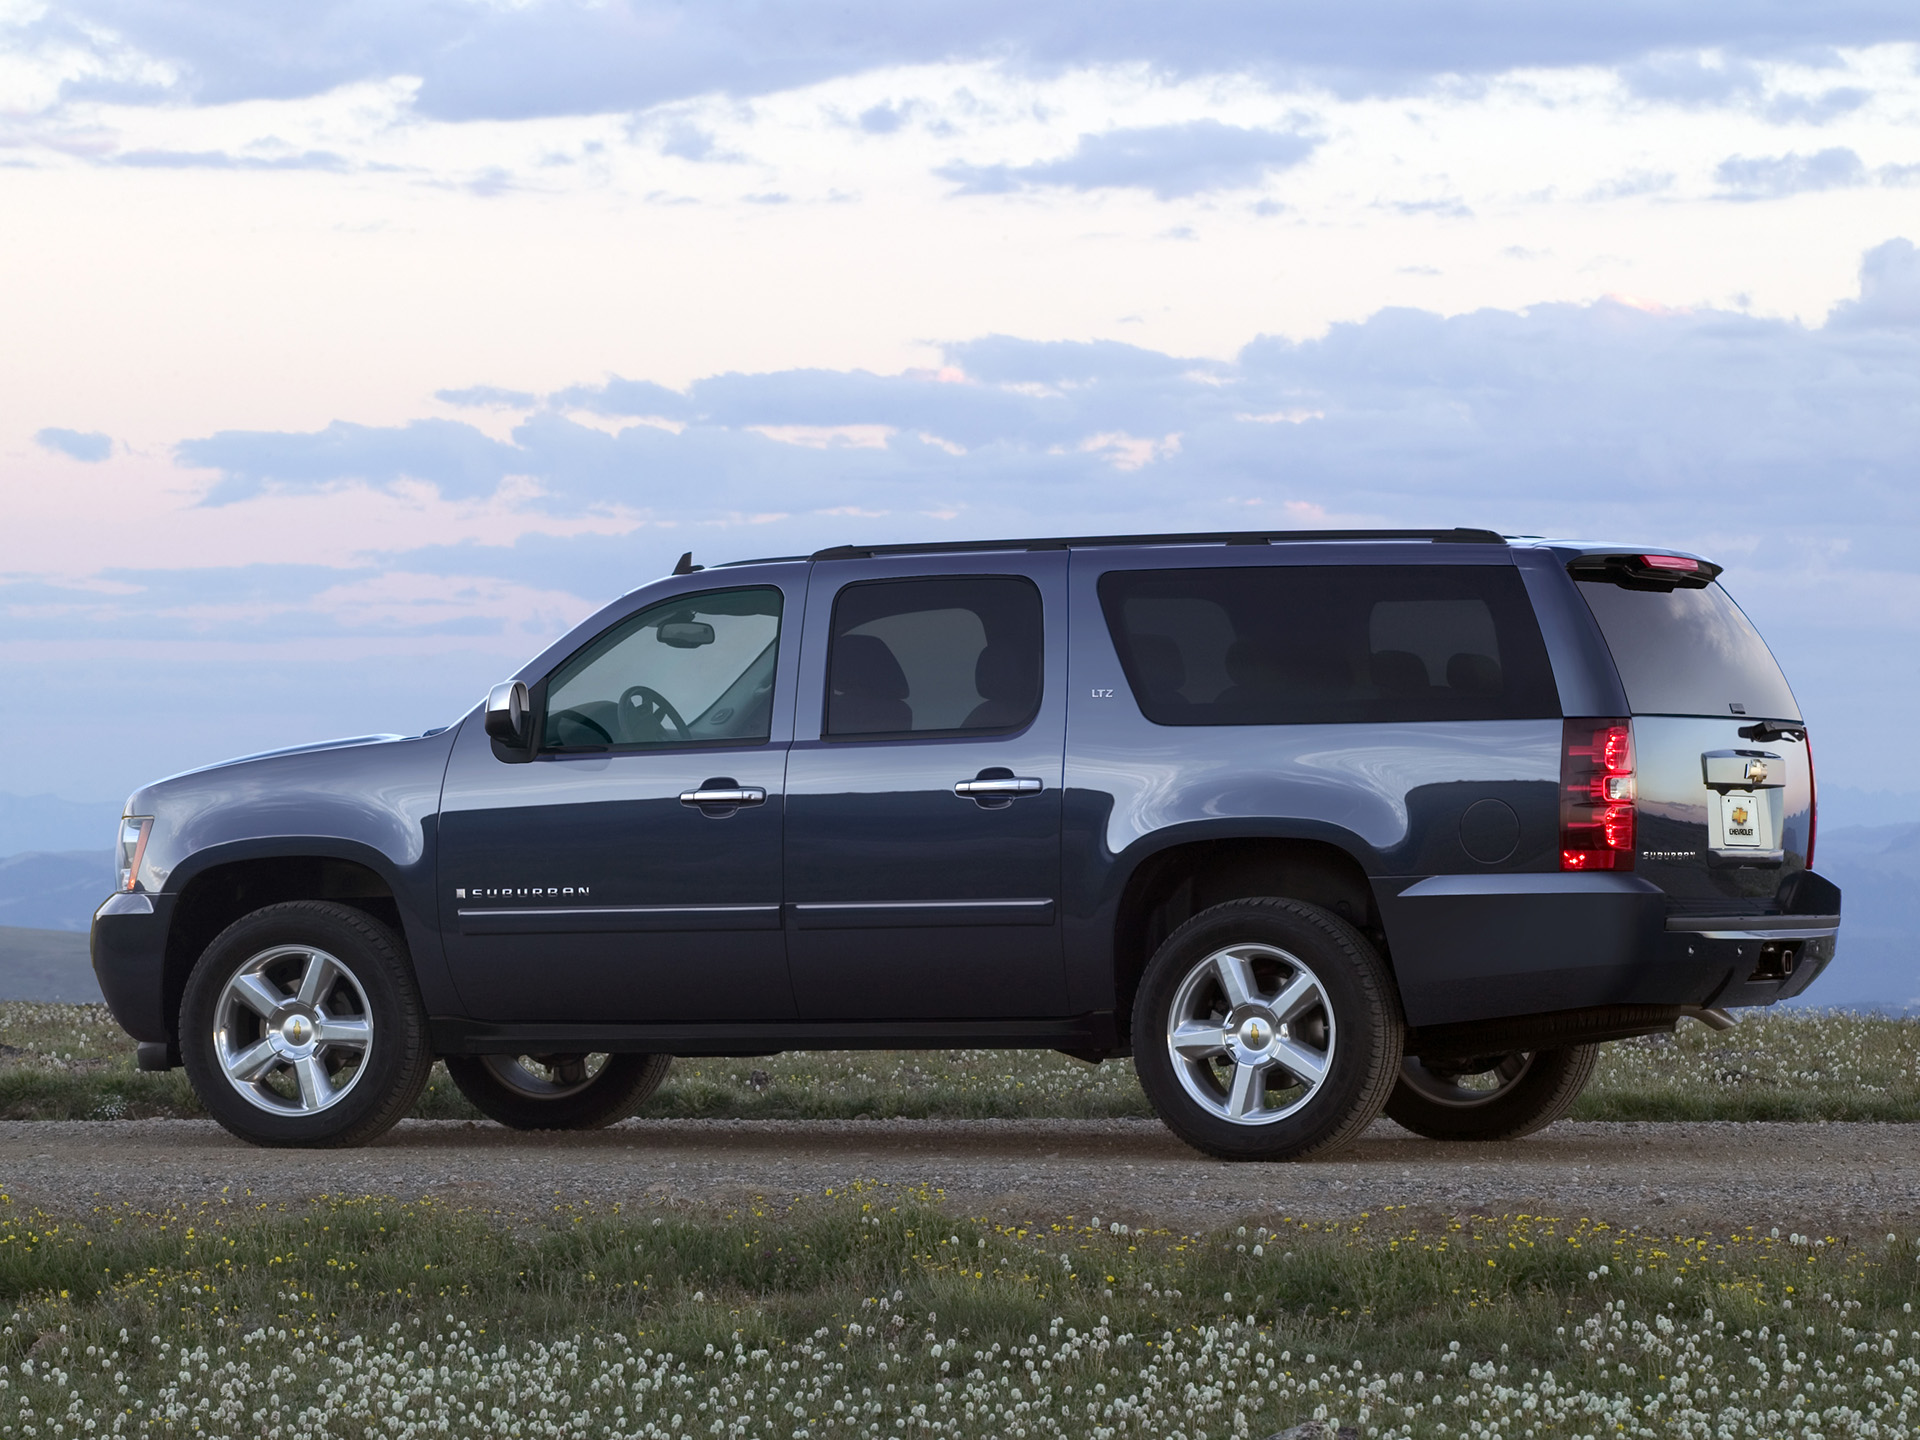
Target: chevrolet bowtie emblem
{"x":1756,"y":771}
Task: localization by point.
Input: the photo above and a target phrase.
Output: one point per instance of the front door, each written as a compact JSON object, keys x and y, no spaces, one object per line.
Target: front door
{"x":923,"y":803}
{"x":630,"y":872}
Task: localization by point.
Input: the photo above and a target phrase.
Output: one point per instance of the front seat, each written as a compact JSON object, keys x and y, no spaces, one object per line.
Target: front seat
{"x":1007,"y":679}
{"x":867,"y":689}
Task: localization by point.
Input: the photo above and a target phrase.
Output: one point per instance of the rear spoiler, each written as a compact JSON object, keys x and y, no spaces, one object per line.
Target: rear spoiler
{"x":1665,"y":573}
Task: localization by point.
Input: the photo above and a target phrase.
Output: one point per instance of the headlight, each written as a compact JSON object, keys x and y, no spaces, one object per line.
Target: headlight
{"x":134,"y":830}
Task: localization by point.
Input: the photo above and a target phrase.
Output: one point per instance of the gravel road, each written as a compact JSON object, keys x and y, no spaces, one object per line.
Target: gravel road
{"x":1820,"y":1178}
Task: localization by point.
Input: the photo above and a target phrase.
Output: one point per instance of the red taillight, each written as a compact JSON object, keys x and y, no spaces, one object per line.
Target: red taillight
{"x":1596,"y":795}
{"x":1813,"y":803}
{"x":1670,"y":562}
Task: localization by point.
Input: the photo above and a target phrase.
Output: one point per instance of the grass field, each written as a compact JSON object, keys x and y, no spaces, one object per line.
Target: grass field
{"x":71,"y":1062}
{"x":873,"y":1313}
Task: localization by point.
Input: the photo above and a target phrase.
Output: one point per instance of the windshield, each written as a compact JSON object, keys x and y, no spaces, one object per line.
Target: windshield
{"x":1688,"y":652}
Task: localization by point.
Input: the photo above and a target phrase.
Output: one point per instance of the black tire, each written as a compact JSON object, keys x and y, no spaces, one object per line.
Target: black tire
{"x":230,"y":1029}
{"x":1351,"y":1027}
{"x":503,"y":1088}
{"x":1528,"y":1091}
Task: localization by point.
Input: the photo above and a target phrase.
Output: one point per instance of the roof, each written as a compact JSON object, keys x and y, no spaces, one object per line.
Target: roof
{"x":1223,"y":537}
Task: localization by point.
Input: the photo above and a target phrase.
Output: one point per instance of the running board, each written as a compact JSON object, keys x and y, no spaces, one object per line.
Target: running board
{"x":1088,"y":1037}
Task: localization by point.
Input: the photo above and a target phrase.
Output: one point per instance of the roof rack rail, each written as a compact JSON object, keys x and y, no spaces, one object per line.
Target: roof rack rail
{"x":1455,"y":536}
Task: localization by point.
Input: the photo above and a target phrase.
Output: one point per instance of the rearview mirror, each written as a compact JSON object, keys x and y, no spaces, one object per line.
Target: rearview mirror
{"x":686,"y":634}
{"x":507,"y":715}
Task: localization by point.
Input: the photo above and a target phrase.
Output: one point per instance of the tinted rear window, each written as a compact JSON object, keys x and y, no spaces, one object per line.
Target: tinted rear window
{"x":1688,"y":652}
{"x":940,"y":656}
{"x":1319,"y":644}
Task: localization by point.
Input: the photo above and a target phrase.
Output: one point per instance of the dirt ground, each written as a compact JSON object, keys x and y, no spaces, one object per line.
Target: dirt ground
{"x":1823,"y":1179}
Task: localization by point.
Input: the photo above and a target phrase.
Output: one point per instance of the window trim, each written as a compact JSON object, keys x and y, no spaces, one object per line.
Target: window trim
{"x":538,"y":693}
{"x":974,"y":732}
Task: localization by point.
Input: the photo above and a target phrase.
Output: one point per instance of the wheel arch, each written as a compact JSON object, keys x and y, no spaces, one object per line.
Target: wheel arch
{"x":227,"y":882}
{"x":1176,"y":880}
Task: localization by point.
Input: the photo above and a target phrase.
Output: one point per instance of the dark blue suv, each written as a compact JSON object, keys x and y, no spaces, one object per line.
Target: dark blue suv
{"x":1309,"y":824}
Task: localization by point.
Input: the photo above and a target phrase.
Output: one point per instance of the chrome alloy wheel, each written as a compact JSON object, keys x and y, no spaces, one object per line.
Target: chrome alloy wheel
{"x":545,"y":1077}
{"x":1465,"y":1089}
{"x":292,"y":1030}
{"x":1251,"y":1034}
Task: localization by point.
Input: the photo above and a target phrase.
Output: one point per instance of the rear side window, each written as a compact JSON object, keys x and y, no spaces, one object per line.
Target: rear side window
{"x":947,"y":656}
{"x":1688,"y":652}
{"x":1329,"y":644}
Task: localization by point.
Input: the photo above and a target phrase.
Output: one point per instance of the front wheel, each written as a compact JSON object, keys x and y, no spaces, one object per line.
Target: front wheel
{"x":1492,"y":1097}
{"x":557,"y":1092}
{"x":1266,"y":1029}
{"x":301,"y":1025}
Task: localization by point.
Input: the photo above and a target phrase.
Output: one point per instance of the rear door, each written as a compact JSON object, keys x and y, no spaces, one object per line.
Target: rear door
{"x":923,"y":790}
{"x":1723,"y":771}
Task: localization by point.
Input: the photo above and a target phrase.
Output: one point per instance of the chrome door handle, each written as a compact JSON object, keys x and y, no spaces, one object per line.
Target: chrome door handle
{"x":1006,"y":789}
{"x":743,"y":795}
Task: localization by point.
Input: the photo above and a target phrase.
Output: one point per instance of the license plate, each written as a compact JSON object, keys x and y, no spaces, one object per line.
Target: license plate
{"x":1740,"y":822}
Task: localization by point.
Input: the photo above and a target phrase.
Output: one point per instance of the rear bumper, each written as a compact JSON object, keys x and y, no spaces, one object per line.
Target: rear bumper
{"x":1469,"y":948}
{"x":1764,"y":958}
{"x":128,"y":943}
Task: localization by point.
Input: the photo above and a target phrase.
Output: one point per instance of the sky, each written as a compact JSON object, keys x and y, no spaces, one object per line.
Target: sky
{"x":354,"y":351}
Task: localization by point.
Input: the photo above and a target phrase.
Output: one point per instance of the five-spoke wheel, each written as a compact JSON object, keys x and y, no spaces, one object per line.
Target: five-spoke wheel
{"x":301,"y":1025}
{"x":1266,"y":1029}
{"x":1490,"y":1097}
{"x":292,"y":1029}
{"x":1251,"y":1033}
{"x":558,"y":1092}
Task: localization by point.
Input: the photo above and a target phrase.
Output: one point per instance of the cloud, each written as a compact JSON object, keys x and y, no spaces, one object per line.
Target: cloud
{"x":1768,"y":177}
{"x":1816,"y":109}
{"x":1701,"y":79}
{"x":1687,"y":421}
{"x":88,"y":445}
{"x":1172,"y":161}
{"x":487,"y":397}
{"x":686,"y":141}
{"x":479,"y":60}
{"x":1632,"y":185}
{"x":221,"y":160}
{"x":883,"y":119}
{"x":1889,"y":291}
{"x":455,"y":458}
{"x":619,"y":397}
{"x":1692,"y":78}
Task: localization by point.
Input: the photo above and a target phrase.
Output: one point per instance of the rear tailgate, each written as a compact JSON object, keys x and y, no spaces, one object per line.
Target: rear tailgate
{"x":1723,"y":770}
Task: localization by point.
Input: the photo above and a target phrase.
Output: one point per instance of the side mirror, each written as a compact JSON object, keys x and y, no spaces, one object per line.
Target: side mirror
{"x":508,"y":715}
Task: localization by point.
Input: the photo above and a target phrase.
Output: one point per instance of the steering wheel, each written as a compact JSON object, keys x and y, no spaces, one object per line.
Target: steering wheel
{"x":650,"y":708}
{"x":574,"y":717}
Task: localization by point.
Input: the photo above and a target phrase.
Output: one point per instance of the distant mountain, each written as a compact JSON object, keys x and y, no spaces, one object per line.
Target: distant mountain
{"x":45,"y":965}
{"x":46,"y":822}
{"x":57,"y":890}
{"x":1877,"y":868}
{"x":1842,"y":807}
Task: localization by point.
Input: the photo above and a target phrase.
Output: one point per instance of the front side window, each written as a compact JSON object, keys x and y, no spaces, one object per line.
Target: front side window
{"x":1329,"y":644}
{"x":694,"y":670}
{"x":947,"y":656}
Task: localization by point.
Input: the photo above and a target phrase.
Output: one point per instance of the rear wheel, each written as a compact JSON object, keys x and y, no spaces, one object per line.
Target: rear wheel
{"x":1490,"y":1097}
{"x":301,"y":1025}
{"x":1266,"y":1030}
{"x":558,"y":1092}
